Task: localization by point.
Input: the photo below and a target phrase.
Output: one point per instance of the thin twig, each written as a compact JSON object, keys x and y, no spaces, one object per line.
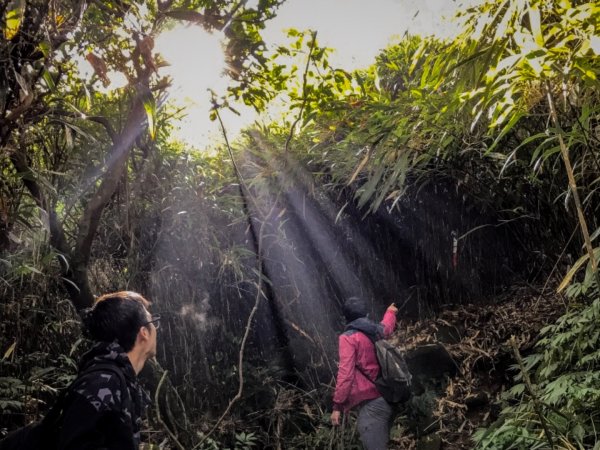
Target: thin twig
{"x":304,"y":83}
{"x":503,"y":222}
{"x":259,"y":290}
{"x":246,"y":192}
{"x":158,"y":417}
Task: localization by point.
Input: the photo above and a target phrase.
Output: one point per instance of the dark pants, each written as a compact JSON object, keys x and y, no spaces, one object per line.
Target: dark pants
{"x":374,"y":418}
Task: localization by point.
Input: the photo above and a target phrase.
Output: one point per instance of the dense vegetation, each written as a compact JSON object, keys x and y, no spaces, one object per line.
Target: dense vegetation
{"x":446,"y":173}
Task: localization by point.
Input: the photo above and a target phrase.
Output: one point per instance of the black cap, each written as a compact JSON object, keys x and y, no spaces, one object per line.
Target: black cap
{"x":354,"y":308}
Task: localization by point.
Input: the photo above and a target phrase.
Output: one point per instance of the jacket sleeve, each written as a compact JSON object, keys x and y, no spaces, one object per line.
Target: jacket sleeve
{"x":346,"y":371}
{"x":389,"y":323}
{"x":94,"y":418}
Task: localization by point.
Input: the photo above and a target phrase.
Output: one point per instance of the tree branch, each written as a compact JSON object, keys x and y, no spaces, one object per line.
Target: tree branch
{"x":107,"y":126}
{"x":117,"y":162}
{"x":75,"y":279}
{"x":57,"y":234}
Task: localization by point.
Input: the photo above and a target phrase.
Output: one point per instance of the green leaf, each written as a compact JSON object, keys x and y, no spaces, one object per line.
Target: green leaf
{"x":48,"y":80}
{"x":509,"y":126}
{"x":45,"y":48}
{"x":150,"y":108}
{"x":367,"y":191}
{"x":536,"y":25}
{"x":10,"y":351}
{"x":13,"y":18}
{"x":417,"y":56}
{"x":580,"y":262}
{"x":29,"y":269}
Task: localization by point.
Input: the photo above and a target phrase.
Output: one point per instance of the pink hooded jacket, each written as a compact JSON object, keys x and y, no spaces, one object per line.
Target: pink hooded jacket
{"x":352,"y":386}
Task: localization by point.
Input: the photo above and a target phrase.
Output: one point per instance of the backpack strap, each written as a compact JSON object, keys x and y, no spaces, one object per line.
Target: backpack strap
{"x":350,"y":332}
{"x":54,"y":415}
{"x":365,"y":374}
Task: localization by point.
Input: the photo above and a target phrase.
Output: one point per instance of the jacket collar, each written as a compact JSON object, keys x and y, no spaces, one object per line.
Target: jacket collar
{"x":108,"y":352}
{"x":374,"y":331}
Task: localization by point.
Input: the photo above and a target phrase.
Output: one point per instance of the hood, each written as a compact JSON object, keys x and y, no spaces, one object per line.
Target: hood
{"x":108,"y":352}
{"x":373,"y":330}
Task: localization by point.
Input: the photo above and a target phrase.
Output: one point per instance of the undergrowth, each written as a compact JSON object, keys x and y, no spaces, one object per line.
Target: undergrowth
{"x":560,"y":408}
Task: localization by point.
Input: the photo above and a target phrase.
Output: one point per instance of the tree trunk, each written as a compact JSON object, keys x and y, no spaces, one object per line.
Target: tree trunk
{"x":74,"y":259}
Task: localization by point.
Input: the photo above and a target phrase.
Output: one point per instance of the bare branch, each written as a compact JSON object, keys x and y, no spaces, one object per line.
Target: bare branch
{"x":158,"y":416}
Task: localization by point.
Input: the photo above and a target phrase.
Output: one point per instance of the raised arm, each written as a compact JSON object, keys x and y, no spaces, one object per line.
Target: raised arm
{"x":389,"y":320}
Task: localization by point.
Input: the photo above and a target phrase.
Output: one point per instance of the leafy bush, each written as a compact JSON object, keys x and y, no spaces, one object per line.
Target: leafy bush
{"x":11,"y":390}
{"x":565,"y":376}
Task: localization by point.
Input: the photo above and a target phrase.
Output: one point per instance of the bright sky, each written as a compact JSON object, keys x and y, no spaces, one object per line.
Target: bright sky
{"x":356,"y":29}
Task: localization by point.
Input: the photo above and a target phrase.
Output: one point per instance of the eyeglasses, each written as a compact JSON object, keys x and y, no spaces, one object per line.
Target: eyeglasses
{"x":155,"y":320}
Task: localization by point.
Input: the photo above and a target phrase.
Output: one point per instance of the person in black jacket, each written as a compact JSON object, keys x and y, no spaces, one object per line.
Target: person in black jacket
{"x":105,"y":403}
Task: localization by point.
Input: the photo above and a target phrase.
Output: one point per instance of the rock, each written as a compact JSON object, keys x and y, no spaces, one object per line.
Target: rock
{"x":448,"y":334}
{"x":431,"y":361}
{"x":474,"y":401}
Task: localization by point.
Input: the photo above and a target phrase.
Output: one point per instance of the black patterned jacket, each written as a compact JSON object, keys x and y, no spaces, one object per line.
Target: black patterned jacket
{"x":99,"y":413}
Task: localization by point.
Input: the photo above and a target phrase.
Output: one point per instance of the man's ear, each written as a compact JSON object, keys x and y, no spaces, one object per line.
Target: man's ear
{"x":144,"y":333}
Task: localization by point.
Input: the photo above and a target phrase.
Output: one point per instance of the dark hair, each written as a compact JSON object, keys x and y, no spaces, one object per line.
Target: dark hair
{"x":117,"y":317}
{"x":354,"y":308}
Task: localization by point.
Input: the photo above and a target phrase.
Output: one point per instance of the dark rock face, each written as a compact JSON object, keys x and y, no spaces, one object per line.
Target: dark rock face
{"x":431,"y":361}
{"x":449,"y":334}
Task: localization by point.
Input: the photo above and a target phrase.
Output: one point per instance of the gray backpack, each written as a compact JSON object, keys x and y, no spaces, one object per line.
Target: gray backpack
{"x":394,"y":380}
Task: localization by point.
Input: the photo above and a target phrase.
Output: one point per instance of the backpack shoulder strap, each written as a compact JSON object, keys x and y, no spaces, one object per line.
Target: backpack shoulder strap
{"x":54,"y":414}
{"x":365,"y":374}
{"x":350,"y":332}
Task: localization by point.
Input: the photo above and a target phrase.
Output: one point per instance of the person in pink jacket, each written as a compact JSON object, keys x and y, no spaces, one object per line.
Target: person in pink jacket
{"x":357,"y":367}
